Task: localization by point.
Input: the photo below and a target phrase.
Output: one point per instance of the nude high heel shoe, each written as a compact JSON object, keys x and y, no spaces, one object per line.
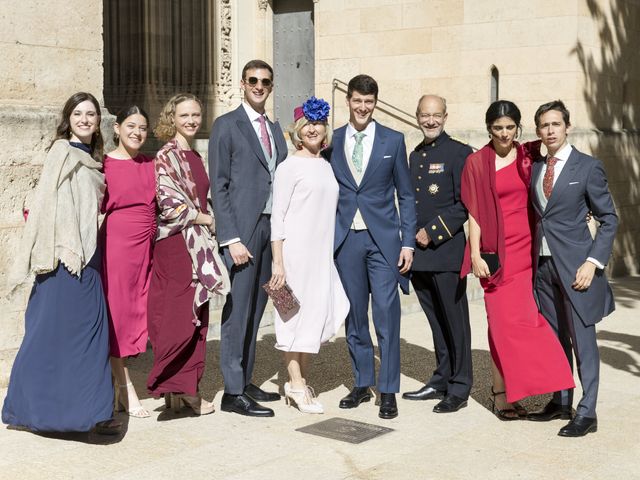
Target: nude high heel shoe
{"x":304,"y":399}
{"x":198,"y":404}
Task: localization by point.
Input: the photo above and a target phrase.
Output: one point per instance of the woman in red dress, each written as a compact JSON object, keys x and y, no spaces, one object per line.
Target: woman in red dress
{"x":527,"y":357}
{"x":187,"y":270}
{"x":127,"y":241}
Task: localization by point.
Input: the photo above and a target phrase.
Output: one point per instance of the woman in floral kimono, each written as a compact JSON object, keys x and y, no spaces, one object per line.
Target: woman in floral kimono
{"x":187,"y":270}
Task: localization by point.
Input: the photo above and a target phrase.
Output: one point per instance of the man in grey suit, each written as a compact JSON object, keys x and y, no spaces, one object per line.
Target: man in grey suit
{"x":244,"y":149}
{"x":570,"y":285}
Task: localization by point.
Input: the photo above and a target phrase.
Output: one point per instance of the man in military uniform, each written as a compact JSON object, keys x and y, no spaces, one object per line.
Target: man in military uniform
{"x":436,"y":167}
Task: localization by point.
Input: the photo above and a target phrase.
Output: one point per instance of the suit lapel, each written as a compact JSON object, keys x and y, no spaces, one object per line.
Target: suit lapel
{"x":535,"y":175}
{"x":377,"y":154}
{"x":245,"y":127}
{"x":563,"y":179}
{"x":278,"y":139}
{"x":339,"y":158}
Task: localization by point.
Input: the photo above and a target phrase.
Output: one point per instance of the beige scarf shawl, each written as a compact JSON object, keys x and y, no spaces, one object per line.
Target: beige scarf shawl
{"x":63,"y":220}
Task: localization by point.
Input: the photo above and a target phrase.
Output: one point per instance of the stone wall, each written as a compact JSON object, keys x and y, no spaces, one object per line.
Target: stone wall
{"x":49,"y":51}
{"x":582,"y":51}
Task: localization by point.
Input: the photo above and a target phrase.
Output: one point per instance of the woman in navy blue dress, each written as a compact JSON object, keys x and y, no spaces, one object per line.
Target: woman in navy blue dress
{"x":61,"y":378}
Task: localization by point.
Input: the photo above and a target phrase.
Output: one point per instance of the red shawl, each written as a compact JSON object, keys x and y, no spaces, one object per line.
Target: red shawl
{"x":479,"y":195}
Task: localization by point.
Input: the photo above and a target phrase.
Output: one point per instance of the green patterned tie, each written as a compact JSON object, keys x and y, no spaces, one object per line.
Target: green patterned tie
{"x":356,"y":157}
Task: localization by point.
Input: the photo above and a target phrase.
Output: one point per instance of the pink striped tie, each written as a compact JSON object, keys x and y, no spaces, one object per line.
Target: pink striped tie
{"x":264,"y":135}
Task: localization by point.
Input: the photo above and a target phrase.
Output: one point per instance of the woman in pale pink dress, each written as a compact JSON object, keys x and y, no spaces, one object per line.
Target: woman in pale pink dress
{"x":305,"y":197}
{"x":127,"y":241}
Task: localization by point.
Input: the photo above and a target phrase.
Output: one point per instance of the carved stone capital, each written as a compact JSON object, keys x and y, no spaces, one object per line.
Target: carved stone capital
{"x":263,"y":4}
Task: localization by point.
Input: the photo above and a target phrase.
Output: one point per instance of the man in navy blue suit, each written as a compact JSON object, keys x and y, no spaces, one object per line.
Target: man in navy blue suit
{"x":373,"y":242}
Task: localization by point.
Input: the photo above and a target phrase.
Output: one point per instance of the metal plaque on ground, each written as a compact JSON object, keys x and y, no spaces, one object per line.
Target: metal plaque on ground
{"x":345,"y":430}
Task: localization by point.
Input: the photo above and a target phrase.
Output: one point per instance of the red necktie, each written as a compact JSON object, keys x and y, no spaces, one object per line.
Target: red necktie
{"x":264,"y":135}
{"x":547,"y":181}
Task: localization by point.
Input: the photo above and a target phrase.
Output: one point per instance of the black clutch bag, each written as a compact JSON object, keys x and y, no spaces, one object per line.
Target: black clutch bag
{"x":284,"y":301}
{"x":493,"y":262}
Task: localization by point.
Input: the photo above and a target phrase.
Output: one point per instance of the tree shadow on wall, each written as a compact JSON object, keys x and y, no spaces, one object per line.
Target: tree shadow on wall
{"x":612,"y":82}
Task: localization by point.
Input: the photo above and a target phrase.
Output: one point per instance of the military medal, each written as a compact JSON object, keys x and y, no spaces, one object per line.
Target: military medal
{"x":433,"y":188}
{"x":436,"y":168}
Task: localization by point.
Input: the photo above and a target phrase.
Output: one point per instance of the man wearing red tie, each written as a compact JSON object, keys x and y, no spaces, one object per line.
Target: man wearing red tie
{"x":244,"y":149}
{"x":570,"y":285}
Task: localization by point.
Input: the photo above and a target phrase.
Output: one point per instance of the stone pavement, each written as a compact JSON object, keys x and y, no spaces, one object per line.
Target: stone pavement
{"x":471,"y":443}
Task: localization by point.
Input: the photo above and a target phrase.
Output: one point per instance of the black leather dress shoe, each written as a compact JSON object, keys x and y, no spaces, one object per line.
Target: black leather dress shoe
{"x":450,"y":404}
{"x":388,"y":406}
{"x":579,"y":427}
{"x":551,"y":411}
{"x":260,"y":395}
{"x":425,"y":393}
{"x":355,"y":397}
{"x":244,"y":405}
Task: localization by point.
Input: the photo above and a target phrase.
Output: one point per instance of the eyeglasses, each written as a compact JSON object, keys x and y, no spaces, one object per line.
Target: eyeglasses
{"x":253,"y":81}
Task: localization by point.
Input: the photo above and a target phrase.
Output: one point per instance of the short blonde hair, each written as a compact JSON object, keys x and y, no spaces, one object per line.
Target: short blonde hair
{"x":294,"y":132}
{"x":165,"y":128}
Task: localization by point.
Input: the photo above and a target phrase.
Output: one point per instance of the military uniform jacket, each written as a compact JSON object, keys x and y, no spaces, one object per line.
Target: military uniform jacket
{"x":436,"y":170}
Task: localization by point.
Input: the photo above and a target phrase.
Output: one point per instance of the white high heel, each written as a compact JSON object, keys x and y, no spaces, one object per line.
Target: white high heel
{"x":304,"y":399}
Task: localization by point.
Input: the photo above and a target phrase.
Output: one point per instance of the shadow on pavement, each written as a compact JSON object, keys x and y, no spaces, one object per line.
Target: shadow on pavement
{"x":90,"y":438}
{"x":330,"y":369}
{"x":618,"y":350}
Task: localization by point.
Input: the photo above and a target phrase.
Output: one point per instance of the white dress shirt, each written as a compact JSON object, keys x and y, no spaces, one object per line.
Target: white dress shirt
{"x":367,"y":143}
{"x":255,"y":123}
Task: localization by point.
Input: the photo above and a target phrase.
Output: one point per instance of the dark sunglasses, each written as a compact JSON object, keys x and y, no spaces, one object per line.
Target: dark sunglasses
{"x":253,"y":81}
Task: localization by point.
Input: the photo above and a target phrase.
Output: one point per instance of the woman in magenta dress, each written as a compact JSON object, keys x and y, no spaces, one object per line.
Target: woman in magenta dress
{"x":127,"y":232}
{"x":527,"y":357}
{"x":187,"y":270}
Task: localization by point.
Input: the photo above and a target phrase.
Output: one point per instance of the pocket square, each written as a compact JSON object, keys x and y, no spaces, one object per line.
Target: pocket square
{"x":387,"y":156}
{"x":573,"y":183}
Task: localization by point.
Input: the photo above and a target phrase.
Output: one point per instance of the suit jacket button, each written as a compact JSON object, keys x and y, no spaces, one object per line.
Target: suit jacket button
{"x":439,"y":237}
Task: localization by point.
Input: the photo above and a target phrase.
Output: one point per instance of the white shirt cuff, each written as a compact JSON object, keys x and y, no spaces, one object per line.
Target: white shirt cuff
{"x":229,"y":242}
{"x":595,"y":262}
